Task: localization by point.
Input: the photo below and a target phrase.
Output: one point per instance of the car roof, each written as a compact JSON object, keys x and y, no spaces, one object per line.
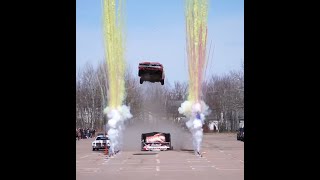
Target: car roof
{"x":150,"y":63}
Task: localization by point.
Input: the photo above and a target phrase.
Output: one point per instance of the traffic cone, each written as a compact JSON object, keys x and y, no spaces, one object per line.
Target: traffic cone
{"x":106,"y":152}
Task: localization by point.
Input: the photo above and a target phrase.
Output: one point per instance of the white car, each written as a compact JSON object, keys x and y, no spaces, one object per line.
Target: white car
{"x":101,"y":142}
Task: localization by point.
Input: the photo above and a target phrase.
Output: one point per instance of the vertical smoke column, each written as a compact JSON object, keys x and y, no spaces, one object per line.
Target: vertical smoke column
{"x":194,"y":108}
{"x":114,"y":49}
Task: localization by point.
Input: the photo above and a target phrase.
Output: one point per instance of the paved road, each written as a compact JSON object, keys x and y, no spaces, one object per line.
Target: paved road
{"x":223,"y":158}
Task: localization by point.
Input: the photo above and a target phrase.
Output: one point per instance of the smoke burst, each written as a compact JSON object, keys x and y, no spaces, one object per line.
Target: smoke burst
{"x":195,"y":113}
{"x":117,"y":118}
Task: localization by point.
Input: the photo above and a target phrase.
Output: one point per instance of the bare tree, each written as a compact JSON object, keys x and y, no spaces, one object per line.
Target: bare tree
{"x":223,"y":94}
{"x":175,"y":96}
{"x":133,"y":97}
{"x":89,"y":98}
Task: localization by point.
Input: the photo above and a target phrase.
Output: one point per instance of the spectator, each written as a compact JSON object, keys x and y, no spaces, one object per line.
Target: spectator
{"x":94,"y":133}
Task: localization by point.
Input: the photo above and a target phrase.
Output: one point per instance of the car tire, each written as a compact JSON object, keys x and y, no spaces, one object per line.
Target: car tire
{"x":93,"y":149}
{"x":162,"y":82}
{"x":141,"y":81}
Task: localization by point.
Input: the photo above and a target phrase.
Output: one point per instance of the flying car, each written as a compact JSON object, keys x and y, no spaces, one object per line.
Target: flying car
{"x":151,"y":71}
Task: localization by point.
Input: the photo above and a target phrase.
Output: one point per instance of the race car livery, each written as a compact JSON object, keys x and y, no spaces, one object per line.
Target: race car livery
{"x":156,"y":141}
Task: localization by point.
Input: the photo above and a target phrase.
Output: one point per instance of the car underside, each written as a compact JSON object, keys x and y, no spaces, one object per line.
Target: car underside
{"x":152,"y":72}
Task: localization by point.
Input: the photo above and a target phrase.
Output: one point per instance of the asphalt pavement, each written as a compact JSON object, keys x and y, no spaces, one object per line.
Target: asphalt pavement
{"x":222,"y":159}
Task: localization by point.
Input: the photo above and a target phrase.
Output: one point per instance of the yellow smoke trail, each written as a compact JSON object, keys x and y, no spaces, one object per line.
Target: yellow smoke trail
{"x":196,"y":28}
{"x":115,"y":57}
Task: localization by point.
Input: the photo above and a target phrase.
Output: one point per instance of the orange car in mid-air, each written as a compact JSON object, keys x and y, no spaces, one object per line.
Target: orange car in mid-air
{"x":151,"y":71}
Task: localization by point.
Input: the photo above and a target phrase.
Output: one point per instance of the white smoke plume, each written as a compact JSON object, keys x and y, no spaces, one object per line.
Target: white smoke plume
{"x":116,"y":119}
{"x":195,"y":113}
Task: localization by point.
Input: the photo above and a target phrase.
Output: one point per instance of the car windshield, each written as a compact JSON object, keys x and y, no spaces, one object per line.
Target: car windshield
{"x":152,"y":65}
{"x":102,"y":138}
{"x":157,"y":65}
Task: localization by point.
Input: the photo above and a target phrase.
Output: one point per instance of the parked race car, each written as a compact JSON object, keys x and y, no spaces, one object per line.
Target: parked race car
{"x":156,"y":141}
{"x":101,"y":142}
{"x":152,"y":72}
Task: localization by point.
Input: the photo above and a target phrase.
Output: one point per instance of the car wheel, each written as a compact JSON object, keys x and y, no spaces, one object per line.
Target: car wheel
{"x":141,"y":81}
{"x":93,"y":149}
{"x":162,"y":82}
